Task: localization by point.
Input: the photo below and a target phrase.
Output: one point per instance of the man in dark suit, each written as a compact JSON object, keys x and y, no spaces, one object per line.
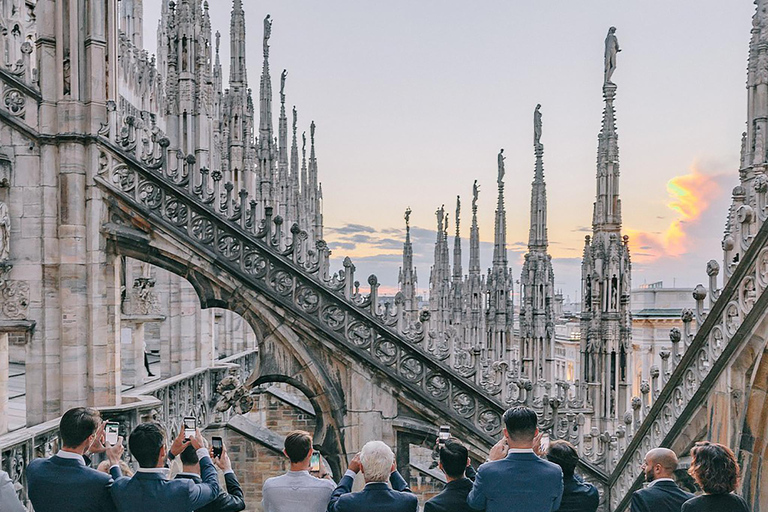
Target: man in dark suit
{"x":230,"y":501}
{"x":64,"y":483}
{"x":578,"y":496}
{"x":515,"y":479}
{"x":454,"y":462}
{"x":662,"y":493}
{"x":150,"y":489}
{"x":377,"y":462}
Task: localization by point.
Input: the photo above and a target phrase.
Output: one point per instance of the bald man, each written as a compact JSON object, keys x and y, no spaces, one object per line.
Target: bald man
{"x":662,"y":493}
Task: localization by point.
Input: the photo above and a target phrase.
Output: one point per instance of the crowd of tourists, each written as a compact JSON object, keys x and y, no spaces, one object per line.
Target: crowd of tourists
{"x":520,"y":474}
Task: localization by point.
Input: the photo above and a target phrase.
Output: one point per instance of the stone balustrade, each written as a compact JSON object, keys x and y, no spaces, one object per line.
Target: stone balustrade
{"x":168,"y":401}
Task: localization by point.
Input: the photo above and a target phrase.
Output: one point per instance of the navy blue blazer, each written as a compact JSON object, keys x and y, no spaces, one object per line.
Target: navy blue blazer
{"x":230,"y":501}
{"x":452,"y":499}
{"x":578,"y":496}
{"x":519,"y":482}
{"x":375,"y":496}
{"x":150,"y":492}
{"x":57,"y":484}
{"x":663,"y":496}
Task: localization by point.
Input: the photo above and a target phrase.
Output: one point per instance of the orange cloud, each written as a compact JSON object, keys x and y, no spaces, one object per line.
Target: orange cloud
{"x":689,"y":197}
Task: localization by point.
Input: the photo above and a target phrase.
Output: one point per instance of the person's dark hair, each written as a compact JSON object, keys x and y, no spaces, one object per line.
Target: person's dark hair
{"x":297,"y":445}
{"x":564,"y":455}
{"x":77,"y":424}
{"x":714,"y":467}
{"x":453,"y":457}
{"x":189,"y":456}
{"x":521,"y":423}
{"x":145,"y":443}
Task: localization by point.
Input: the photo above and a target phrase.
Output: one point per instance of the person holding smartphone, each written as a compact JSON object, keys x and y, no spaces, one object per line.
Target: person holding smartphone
{"x":299,"y":489}
{"x":229,"y":501}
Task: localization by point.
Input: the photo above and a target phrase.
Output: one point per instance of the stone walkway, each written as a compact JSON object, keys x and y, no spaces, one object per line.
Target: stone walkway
{"x":17,"y":386}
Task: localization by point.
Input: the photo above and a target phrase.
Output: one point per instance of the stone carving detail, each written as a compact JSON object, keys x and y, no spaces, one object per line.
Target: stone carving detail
{"x":5,"y":233}
{"x":142,"y":299}
{"x":15,"y":102}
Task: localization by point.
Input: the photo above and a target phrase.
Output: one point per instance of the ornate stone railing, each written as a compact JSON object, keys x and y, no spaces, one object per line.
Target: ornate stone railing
{"x":192,"y":393}
{"x":738,"y":308}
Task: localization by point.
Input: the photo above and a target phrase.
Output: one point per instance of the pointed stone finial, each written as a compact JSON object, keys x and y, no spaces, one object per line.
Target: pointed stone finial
{"x":312,"y":133}
{"x":408,"y":218}
{"x":295,"y":117}
{"x":218,"y":41}
{"x":475,"y":192}
{"x":458,"y":214}
{"x":283,"y":76}
{"x":304,"y":142}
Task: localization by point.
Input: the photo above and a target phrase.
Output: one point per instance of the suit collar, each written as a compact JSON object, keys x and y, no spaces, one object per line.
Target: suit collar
{"x":151,"y":474}
{"x":522,"y":455}
{"x":190,"y":476}
{"x":459,"y":484}
{"x":68,"y":462}
{"x":662,"y":482}
{"x":376,"y":486}
{"x":71,"y":456}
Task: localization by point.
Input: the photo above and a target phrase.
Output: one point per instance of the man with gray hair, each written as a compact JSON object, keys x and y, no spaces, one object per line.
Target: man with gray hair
{"x":662,"y":493}
{"x":377,"y":462}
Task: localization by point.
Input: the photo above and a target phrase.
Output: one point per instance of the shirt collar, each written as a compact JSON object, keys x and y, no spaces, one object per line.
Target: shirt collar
{"x":72,"y":456}
{"x":520,"y":450}
{"x":184,"y":473}
{"x":651,"y":484}
{"x":160,"y":471}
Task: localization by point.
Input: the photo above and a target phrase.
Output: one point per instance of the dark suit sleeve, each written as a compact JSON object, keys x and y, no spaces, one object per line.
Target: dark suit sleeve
{"x":470,"y":472}
{"x":430,"y":507}
{"x":556,"y":505}
{"x":344,"y":487}
{"x":476,"y":499}
{"x":637,"y":504}
{"x":232,"y":500}
{"x":398,"y":482}
{"x":206,"y":491}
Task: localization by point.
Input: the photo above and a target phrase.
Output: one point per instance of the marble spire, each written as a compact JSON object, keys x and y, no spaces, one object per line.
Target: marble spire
{"x":237,"y":67}
{"x":537,"y":320}
{"x":606,"y":275}
{"x":407,"y":278}
{"x":474,"y":235}
{"x":457,"y":271}
{"x":266,"y":150}
{"x":283,"y":184}
{"x":295,"y":190}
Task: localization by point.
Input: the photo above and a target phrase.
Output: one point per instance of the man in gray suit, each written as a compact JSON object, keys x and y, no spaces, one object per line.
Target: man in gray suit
{"x":515,"y":478}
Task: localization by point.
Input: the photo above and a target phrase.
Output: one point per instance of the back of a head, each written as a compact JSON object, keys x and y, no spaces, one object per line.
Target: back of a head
{"x":145,"y":443}
{"x":665,"y":457}
{"x":714,"y":467}
{"x":297,"y":445}
{"x":564,"y":455}
{"x":189,"y":456}
{"x":453,"y":457}
{"x":377,"y":459}
{"x":521,"y":423}
{"x":77,"y":424}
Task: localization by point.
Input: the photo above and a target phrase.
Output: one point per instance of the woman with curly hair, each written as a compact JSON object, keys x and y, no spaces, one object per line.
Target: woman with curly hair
{"x":716,"y":471}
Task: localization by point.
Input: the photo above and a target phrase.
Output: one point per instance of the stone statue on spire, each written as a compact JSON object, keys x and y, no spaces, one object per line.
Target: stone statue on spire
{"x":408,"y":217}
{"x":312,"y":132}
{"x":218,"y":41}
{"x":294,"y":119}
{"x":458,"y":212}
{"x":537,"y":127}
{"x":267,"y":34}
{"x":500,"y":160}
{"x":283,"y":76}
{"x":475,"y":191}
{"x":611,"y":49}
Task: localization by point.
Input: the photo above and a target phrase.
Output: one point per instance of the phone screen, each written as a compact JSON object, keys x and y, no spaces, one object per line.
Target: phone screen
{"x":314,"y":462}
{"x":545,"y":443}
{"x":111,"y":429}
{"x":444,"y":435}
{"x":190,"y":423}
{"x":217,"y":446}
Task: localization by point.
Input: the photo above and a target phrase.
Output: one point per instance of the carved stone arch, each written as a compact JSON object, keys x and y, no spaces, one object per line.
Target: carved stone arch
{"x":286,"y":347}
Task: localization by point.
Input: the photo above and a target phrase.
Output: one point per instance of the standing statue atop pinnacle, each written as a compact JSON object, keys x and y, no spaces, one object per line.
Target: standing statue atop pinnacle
{"x":501,"y":159}
{"x":611,"y":49}
{"x":312,"y":132}
{"x":295,"y":116}
{"x":283,"y":76}
{"x":408,"y":217}
{"x":475,"y":190}
{"x":537,"y":127}
{"x":267,"y":34}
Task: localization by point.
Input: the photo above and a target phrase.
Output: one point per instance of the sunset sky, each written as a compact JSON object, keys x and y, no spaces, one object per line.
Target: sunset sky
{"x":413,"y":100}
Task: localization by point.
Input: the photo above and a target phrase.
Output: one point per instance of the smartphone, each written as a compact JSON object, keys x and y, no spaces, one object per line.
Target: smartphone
{"x":190,"y":424}
{"x":545,"y":443}
{"x":314,"y":462}
{"x":444,"y":435}
{"x":111,"y":429}
{"x":217,"y":445}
